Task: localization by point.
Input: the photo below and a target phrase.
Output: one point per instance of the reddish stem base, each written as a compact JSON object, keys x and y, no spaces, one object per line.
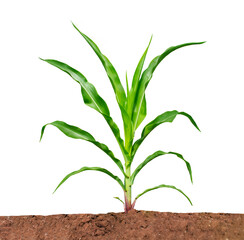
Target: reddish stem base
{"x":128,"y":206}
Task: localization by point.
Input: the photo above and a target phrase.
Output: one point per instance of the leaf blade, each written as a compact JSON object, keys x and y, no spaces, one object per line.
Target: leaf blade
{"x":91,"y":168}
{"x":119,"y":199}
{"x":110,"y":70}
{"x":89,"y":92}
{"x":168,"y":116}
{"x":155,"y":155}
{"x":91,"y":98}
{"x":163,"y":186}
{"x":77,"y":133}
{"x":135,"y":80}
{"x":146,"y":77}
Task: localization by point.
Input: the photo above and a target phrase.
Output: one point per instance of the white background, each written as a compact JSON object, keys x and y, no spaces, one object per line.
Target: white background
{"x":205,"y":80}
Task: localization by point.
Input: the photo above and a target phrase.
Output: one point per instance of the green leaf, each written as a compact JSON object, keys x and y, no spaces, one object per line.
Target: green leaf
{"x":146,"y":77}
{"x":113,"y":126}
{"x":135,"y":82}
{"x":91,"y":168}
{"x":143,"y":112}
{"x":89,"y":92}
{"x":127,"y":129}
{"x":153,"y":156}
{"x":77,"y":133}
{"x":110,"y":70}
{"x":91,"y":98}
{"x":114,"y":80}
{"x":163,"y":186}
{"x":119,"y":199}
{"x":165,"y":117}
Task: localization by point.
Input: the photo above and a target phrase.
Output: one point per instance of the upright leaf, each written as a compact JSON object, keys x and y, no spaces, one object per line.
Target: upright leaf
{"x":110,"y":70}
{"x":153,"y":156}
{"x":77,"y":133}
{"x":135,"y":82}
{"x":165,"y":117}
{"x":163,"y":186}
{"x":115,"y":81}
{"x":116,"y":178}
{"x":146,"y":77}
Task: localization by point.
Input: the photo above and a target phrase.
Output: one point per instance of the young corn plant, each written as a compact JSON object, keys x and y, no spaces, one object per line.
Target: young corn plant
{"x":132,"y":105}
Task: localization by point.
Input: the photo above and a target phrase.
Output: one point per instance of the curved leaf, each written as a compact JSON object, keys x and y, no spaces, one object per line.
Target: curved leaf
{"x":153,"y":156}
{"x":116,"y":84}
{"x":77,"y":133}
{"x":89,"y":92}
{"x":163,"y":186}
{"x":168,"y":116}
{"x":146,"y":77}
{"x":110,"y":70}
{"x":91,"y":168}
{"x":90,"y":97}
{"x":119,"y":199}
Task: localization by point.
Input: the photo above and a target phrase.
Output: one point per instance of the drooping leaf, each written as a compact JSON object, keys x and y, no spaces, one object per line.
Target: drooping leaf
{"x":119,"y":199}
{"x":91,"y":168}
{"x":163,"y":186}
{"x":77,"y":133}
{"x":91,"y":98}
{"x":135,"y":82}
{"x":110,"y":70}
{"x":162,"y":118}
{"x":89,"y":92}
{"x":115,"y":81}
{"x":153,"y":156}
{"x":146,"y":77}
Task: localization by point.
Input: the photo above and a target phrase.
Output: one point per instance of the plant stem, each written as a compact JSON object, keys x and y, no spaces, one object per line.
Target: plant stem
{"x":128,"y":205}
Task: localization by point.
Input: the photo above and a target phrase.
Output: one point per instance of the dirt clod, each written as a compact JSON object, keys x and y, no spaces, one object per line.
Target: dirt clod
{"x":133,"y":225}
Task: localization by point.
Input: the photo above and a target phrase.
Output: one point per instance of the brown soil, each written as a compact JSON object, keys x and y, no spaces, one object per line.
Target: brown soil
{"x":133,"y":225}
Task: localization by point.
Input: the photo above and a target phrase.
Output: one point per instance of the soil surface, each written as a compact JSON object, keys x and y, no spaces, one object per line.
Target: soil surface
{"x":133,"y":225}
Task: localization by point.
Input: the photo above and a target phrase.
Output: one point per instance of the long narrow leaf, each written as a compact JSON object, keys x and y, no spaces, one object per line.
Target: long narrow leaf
{"x":91,"y":168}
{"x":135,"y":82}
{"x":146,"y":77}
{"x":127,"y":128}
{"x":77,"y":133}
{"x":115,"y":82}
{"x":89,"y":92}
{"x":153,"y":156}
{"x":110,"y":70}
{"x":162,"y":118}
{"x":91,"y":98}
{"x":163,"y":186}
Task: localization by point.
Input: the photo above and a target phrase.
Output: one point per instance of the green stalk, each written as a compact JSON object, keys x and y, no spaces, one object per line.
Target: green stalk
{"x":128,"y":205}
{"x":133,"y":111}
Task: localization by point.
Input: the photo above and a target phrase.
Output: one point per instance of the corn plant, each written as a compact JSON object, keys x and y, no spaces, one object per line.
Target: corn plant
{"x":132,"y":105}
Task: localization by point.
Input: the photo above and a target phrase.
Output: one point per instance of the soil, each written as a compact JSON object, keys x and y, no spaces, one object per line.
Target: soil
{"x":133,"y":225}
